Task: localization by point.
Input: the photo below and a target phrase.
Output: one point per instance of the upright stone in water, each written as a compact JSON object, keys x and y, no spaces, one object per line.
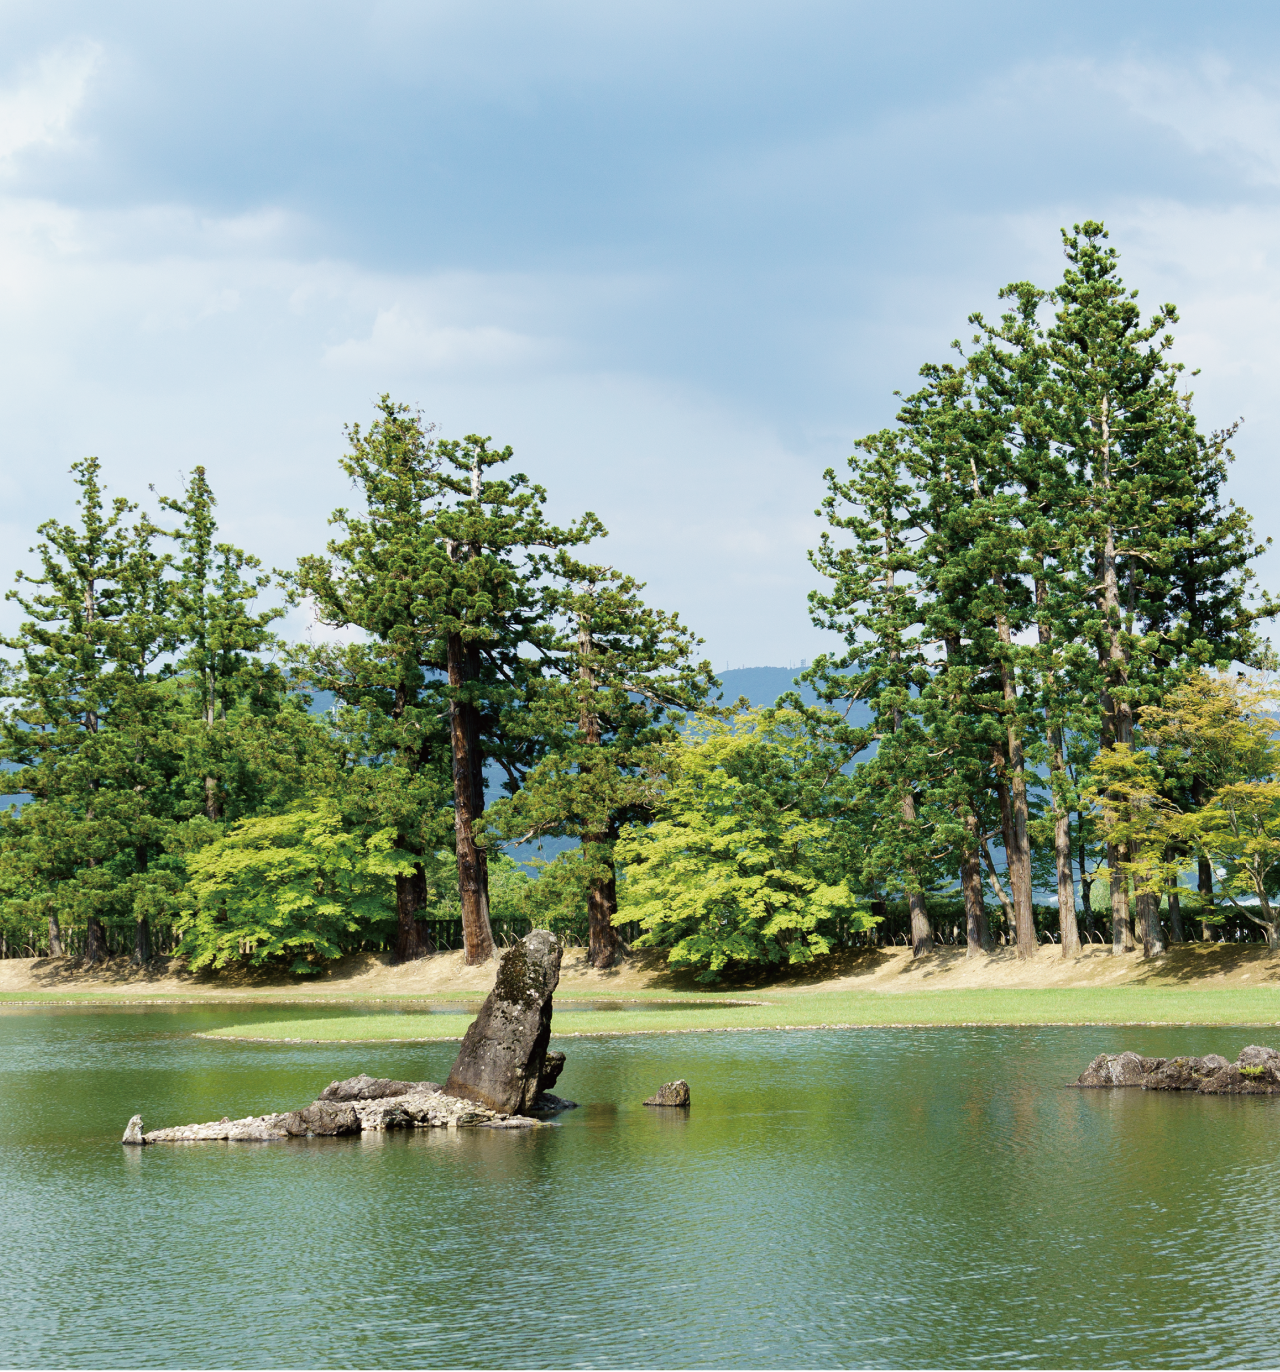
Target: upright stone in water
{"x":552,"y":1066}
{"x":133,"y":1131}
{"x":673,"y":1093}
{"x":503,"y":1059}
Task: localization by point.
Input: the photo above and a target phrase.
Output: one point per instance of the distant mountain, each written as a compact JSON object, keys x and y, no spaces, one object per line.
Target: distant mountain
{"x":761,"y":685}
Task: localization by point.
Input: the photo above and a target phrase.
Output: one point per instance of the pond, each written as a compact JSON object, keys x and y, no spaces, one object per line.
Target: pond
{"x":880,"y":1197}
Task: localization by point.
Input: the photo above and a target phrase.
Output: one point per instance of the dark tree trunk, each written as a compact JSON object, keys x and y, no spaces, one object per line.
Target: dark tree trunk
{"x":55,"y":936}
{"x":468,"y":801}
{"x":1019,"y":858}
{"x":1149,"y":914}
{"x":921,"y":933}
{"x":1016,"y":841}
{"x":1121,"y":933}
{"x":1175,"y":916}
{"x":95,"y":943}
{"x":142,"y":931}
{"x":1204,"y":871}
{"x":1006,"y":905}
{"x":1017,"y":838}
{"x":1204,"y":883}
{"x":880,"y":909}
{"x":602,"y":905}
{"x":411,"y":899}
{"x":977,"y":932}
{"x":1068,"y":928}
{"x":1086,"y":881}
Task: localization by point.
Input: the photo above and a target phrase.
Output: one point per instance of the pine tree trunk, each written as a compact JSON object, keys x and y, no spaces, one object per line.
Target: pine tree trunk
{"x":977,"y":933}
{"x":1019,"y":864}
{"x":1019,"y":858}
{"x":1006,"y":905}
{"x":1069,"y":930}
{"x":212,"y":805}
{"x":921,"y":933}
{"x":1121,"y":933}
{"x":1017,"y":836}
{"x":602,"y":897}
{"x":1204,"y":870}
{"x":55,"y":936}
{"x":1117,"y":712}
{"x":880,"y":909}
{"x":468,"y":805}
{"x":95,"y":943}
{"x":602,"y":905}
{"x":1086,"y":881}
{"x":1149,"y":915}
{"x":1204,"y":883}
{"x":411,"y":899}
{"x":142,"y":942}
{"x":1175,"y":917}
{"x":142,"y":930}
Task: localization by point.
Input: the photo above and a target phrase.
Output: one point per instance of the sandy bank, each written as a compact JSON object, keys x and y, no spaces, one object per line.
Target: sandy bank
{"x":444,"y":976}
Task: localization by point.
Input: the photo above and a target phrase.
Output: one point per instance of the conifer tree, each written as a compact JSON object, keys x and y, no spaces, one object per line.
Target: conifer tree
{"x":219,"y":640}
{"x":872,"y":604}
{"x":1160,"y":567}
{"x":440,"y":573}
{"x":87,"y":727}
{"x":620,"y":668}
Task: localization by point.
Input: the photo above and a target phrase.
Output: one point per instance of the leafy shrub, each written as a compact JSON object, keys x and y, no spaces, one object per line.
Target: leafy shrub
{"x":737,"y":868}
{"x":297,"y":886}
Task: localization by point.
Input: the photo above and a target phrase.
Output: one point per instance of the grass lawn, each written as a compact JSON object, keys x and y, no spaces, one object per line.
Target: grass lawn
{"x":799,"y":1010}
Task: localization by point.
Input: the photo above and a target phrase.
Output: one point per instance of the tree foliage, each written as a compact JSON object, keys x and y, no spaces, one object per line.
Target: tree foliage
{"x":740,"y":867}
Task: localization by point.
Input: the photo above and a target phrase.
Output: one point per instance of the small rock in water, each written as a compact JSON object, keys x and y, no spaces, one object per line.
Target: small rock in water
{"x":503,"y":1060}
{"x":673,"y":1093}
{"x":133,"y":1132}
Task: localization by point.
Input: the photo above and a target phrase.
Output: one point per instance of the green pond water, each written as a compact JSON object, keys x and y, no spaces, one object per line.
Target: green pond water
{"x":881,"y":1197}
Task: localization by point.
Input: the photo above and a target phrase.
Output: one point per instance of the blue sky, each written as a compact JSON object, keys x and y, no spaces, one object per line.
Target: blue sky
{"x":678,"y":256}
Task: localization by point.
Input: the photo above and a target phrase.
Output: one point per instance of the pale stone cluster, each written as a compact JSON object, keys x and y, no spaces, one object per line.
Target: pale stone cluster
{"x":423,"y":1106}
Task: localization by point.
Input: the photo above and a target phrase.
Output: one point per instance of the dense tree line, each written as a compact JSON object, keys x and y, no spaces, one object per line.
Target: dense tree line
{"x":1035,"y":554}
{"x":1034,"y":573}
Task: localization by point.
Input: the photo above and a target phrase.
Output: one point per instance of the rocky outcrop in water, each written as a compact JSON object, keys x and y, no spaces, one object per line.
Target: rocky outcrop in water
{"x":359,"y":1105}
{"x":503,"y":1062}
{"x":1256,"y":1072}
{"x":501,"y":1079}
{"x":673,"y":1093}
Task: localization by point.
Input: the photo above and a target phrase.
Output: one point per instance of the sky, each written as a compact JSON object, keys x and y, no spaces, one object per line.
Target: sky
{"x":678,"y":256}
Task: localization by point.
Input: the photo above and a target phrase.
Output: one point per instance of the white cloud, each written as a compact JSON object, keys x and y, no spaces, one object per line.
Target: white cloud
{"x":1209,"y":107}
{"x":161,"y":338}
{"x":402,"y":341}
{"x":37,"y":109}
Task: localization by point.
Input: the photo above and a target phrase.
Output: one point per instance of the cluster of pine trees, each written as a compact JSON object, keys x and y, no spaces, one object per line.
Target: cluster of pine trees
{"x":179,"y":783}
{"x":1024,"y":571}
{"x":1034,"y":555}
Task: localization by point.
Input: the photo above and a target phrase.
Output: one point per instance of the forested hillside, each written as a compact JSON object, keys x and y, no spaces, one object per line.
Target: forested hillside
{"x":1039,"y":596}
